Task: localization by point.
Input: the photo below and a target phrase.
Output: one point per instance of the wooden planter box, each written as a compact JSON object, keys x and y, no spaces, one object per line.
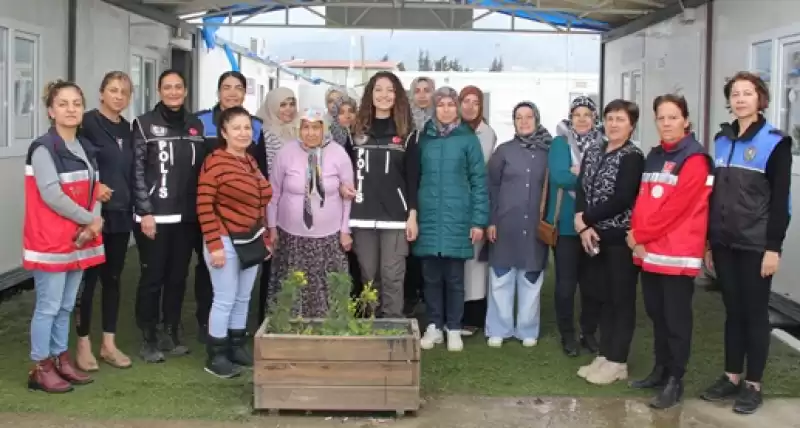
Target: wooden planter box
{"x":350,"y":373}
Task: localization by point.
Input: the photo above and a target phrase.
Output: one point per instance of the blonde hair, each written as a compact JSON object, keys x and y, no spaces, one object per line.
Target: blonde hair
{"x":116,"y":75}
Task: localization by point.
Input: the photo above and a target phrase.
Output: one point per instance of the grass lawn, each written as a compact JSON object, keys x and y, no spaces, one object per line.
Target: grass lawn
{"x":180,"y":389}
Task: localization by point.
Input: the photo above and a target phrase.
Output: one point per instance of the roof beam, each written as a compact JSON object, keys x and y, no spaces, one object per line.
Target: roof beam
{"x":152,"y":13}
{"x":674,"y":8}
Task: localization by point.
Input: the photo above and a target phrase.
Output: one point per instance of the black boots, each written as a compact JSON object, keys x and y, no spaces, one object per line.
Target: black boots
{"x":670,"y":396}
{"x":589,"y":341}
{"x":149,"y":350}
{"x":218,"y":363}
{"x":170,"y":342}
{"x":238,"y":353}
{"x":656,"y":379}
{"x":569,"y":345}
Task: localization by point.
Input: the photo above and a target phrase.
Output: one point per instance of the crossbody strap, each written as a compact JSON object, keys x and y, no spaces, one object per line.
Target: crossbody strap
{"x":546,"y":195}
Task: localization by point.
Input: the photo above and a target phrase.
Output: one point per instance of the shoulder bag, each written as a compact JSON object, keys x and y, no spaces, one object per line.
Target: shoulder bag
{"x":548,"y":233}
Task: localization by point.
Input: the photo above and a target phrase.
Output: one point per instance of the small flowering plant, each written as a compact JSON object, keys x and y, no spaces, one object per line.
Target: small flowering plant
{"x":347,"y":316}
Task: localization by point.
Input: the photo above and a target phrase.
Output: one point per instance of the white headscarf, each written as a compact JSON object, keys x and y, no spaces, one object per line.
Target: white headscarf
{"x":269,"y":114}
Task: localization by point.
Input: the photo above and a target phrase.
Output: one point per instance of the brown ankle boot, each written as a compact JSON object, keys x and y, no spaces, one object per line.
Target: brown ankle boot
{"x":45,"y":377}
{"x":69,"y":372}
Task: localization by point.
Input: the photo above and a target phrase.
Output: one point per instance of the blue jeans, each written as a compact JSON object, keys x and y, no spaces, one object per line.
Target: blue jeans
{"x":55,"y":299}
{"x":443,"y":279}
{"x":232,"y":288}
{"x":505,"y":284}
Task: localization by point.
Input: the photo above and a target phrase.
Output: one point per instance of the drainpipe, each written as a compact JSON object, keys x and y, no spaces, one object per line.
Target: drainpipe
{"x":72,"y":39}
{"x":602,"y":87}
{"x":709,"y":66}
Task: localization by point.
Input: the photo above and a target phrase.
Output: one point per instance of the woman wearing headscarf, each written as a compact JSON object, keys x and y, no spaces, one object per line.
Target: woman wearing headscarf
{"x":421,"y":102}
{"x":332,"y":95}
{"x":307,"y":216}
{"x":343,"y":117}
{"x":476,"y":275}
{"x":564,"y":161}
{"x":279,"y":114}
{"x":421,"y":96}
{"x":517,"y":258}
{"x":453,"y":211}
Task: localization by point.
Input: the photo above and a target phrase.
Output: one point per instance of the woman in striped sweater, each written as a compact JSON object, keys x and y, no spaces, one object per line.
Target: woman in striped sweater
{"x":232,"y":196}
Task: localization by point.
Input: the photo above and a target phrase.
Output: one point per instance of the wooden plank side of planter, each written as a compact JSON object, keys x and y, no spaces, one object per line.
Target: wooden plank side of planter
{"x":295,"y":347}
{"x":336,"y":398}
{"x":336,"y":373}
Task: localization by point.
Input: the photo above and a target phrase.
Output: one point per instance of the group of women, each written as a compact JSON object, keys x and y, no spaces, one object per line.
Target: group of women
{"x":401,"y":189}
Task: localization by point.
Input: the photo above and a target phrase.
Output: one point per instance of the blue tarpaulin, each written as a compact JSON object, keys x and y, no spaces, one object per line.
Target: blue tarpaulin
{"x":559,"y":19}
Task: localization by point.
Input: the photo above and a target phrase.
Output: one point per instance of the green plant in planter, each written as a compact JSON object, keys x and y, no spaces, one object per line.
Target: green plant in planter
{"x":346,"y":316}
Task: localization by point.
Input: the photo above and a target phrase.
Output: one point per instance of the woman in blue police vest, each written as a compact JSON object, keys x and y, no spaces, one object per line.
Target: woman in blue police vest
{"x":749,"y":215}
{"x":231,"y":89}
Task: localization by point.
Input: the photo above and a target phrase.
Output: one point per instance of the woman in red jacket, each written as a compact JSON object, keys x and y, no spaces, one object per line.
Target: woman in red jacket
{"x":667,"y":236}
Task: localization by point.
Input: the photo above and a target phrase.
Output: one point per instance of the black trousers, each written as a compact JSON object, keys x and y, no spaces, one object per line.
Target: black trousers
{"x":668,"y":303}
{"x":116,"y":248}
{"x":568,"y":255}
{"x":164,"y":263}
{"x":203,"y":292}
{"x":413,"y":283}
{"x":475,"y":313}
{"x":746,"y":297}
{"x":610,"y":278}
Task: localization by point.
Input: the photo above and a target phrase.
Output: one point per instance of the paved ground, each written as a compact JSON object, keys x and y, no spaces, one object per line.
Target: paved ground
{"x":468,"y":412}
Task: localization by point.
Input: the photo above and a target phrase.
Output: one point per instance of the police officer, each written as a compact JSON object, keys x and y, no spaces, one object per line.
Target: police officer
{"x":749,"y":215}
{"x":168,"y":151}
{"x":231,"y":90}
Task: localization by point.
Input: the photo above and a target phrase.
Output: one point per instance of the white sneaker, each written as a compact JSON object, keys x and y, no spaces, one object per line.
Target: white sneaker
{"x":495,"y":342}
{"x":433,"y":336}
{"x":454,"y":343}
{"x":594,"y":365}
{"x":608,"y":373}
{"x":529,"y":343}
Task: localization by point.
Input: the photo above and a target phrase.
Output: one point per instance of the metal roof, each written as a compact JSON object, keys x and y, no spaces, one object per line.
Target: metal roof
{"x":561,"y":15}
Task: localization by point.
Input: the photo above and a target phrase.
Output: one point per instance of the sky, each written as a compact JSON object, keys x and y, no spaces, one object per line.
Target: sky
{"x":577,"y":53}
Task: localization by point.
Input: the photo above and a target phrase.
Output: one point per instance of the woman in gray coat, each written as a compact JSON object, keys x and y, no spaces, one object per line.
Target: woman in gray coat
{"x":517,"y":258}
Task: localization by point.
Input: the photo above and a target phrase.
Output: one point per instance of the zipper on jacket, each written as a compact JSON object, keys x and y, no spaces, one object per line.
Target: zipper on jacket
{"x":386,"y":167}
{"x":402,"y":199}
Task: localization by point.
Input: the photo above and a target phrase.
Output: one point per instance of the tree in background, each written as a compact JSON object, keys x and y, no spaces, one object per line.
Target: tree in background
{"x":497,"y":65}
{"x":424,"y":61}
{"x":400,"y":65}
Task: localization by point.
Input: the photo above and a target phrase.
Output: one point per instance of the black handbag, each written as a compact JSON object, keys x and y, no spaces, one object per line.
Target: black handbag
{"x":249,"y":246}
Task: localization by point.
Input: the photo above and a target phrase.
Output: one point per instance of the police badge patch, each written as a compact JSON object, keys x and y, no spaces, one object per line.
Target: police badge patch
{"x":158,"y":131}
{"x":750,"y":153}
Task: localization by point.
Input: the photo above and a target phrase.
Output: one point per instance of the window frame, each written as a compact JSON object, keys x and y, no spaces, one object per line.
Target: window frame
{"x":17,"y":147}
{"x":145,"y":56}
{"x":779,"y":38}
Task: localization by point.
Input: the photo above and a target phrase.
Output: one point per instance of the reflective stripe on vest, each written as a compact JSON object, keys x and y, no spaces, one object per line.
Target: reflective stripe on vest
{"x":667,"y":178}
{"x":67,"y":177}
{"x":673,"y":261}
{"x":63,"y":258}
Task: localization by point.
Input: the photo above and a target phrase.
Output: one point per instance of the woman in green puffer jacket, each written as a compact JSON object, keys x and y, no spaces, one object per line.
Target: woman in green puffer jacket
{"x":453,"y":212}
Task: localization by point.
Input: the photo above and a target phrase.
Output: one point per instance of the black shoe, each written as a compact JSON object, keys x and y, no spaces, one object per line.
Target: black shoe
{"x":748,"y":400}
{"x":670,"y":396}
{"x":570,"y":346}
{"x":589,"y":342}
{"x":170,"y":342}
{"x":656,"y":379}
{"x":722,"y":389}
{"x":149,"y":350}
{"x":218,"y":363}
{"x":238,"y":353}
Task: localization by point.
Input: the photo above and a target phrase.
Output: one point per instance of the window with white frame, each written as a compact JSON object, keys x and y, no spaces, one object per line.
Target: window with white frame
{"x":789,"y":93}
{"x":19,"y":85}
{"x":143,"y":76}
{"x":633,"y":90}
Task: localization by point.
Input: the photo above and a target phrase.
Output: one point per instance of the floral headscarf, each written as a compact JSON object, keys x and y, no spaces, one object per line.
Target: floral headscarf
{"x":566,"y":129}
{"x":444,"y":92}
{"x":314,"y":166}
{"x":421,"y":115}
{"x":339,"y":132}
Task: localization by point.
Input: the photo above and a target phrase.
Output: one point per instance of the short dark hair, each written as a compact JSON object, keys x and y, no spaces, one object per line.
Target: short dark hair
{"x":679,"y":102}
{"x":235,"y":74}
{"x":170,"y":72}
{"x":761,"y":89}
{"x":225,"y":117}
{"x":628,"y":107}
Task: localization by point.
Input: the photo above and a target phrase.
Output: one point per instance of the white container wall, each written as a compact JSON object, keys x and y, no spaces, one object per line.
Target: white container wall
{"x":666,"y":58}
{"x":35,"y":52}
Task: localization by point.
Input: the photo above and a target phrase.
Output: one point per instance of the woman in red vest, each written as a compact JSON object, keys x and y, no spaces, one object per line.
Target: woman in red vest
{"x":61,"y":234}
{"x":668,"y":237}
